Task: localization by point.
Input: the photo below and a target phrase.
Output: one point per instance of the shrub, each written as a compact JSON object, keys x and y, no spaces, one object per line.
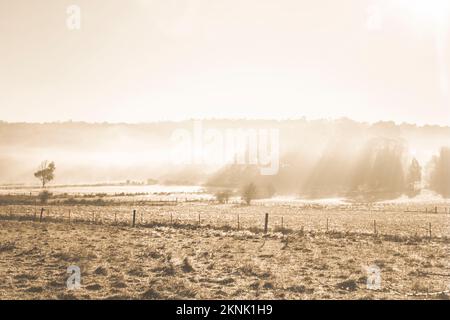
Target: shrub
{"x":44,"y":196}
{"x":249,"y":193}
{"x":223,"y":196}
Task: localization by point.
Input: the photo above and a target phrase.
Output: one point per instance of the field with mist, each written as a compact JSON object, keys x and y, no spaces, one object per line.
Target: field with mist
{"x":347,"y":198}
{"x":315,"y":158}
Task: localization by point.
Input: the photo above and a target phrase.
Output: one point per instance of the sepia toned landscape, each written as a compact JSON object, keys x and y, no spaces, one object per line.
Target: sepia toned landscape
{"x":215,"y":150}
{"x":201,"y":249}
{"x":215,"y":260}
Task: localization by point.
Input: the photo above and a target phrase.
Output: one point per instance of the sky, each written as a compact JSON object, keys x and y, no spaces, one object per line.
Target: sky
{"x":151,"y":60}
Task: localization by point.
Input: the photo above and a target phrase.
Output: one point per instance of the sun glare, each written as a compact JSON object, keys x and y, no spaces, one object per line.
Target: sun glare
{"x":427,"y":11}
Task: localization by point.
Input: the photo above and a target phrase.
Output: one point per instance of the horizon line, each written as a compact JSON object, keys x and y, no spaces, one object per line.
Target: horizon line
{"x":303,"y":118}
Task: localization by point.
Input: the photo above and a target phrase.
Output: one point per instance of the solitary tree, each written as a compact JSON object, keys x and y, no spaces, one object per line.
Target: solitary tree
{"x":249,"y":193}
{"x":45,"y":173}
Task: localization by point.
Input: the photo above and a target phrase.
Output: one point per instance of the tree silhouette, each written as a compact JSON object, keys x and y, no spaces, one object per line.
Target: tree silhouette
{"x":440,"y":175}
{"x":379,"y":171}
{"x":413,"y":178}
{"x":249,"y":193}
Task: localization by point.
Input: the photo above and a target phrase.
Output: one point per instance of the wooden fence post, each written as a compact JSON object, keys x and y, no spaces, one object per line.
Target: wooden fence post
{"x":238,"y":224}
{"x":69,"y":215}
{"x":40,"y":217}
{"x":282,"y":223}
{"x":134,"y":217}
{"x":429,"y":229}
{"x":374,"y":227}
{"x":327,"y":225}
{"x":266,"y":222}
{"x":171,"y":219}
{"x":199,"y":219}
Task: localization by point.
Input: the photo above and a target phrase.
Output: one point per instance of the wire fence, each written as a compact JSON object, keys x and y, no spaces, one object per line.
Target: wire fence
{"x":428,"y":224}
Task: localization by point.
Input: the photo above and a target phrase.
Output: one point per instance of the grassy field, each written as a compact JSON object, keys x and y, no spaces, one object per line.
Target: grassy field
{"x":164,"y":259}
{"x":384,"y":220}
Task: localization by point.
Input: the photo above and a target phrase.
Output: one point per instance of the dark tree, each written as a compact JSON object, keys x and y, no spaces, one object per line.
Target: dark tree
{"x":413,"y":178}
{"x":379,"y":171}
{"x":44,"y":196}
{"x":223,"y":196}
{"x":249,"y":193}
{"x":440,"y":174}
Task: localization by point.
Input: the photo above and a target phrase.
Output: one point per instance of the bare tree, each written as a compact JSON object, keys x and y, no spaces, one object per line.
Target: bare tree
{"x":45,"y":173}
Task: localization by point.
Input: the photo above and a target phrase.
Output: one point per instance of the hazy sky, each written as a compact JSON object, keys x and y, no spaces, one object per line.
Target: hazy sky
{"x":146,"y":60}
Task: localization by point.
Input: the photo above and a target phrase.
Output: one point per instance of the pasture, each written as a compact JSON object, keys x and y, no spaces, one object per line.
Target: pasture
{"x":206,"y":250}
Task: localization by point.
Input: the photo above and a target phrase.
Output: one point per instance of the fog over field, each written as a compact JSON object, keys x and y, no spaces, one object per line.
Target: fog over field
{"x":317,"y":158}
{"x":224,"y":149}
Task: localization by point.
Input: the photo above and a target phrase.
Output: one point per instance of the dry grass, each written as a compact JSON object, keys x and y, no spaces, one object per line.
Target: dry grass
{"x":391,"y":221}
{"x":165,"y":262}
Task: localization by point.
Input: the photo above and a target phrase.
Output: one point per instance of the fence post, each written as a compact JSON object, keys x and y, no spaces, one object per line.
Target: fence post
{"x":238,"y":222}
{"x":327,"y":225}
{"x":374,"y":227}
{"x":199,"y":219}
{"x":115,"y":217}
{"x":282,"y":223}
{"x":69,"y":216}
{"x":134,"y":217}
{"x":429,"y":228}
{"x":171,"y":219}
{"x":40,"y":217}
{"x":266,"y":222}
